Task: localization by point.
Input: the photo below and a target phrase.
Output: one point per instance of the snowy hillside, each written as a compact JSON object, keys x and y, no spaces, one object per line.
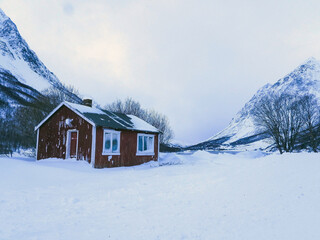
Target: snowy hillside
{"x":241,"y":134}
{"x":22,"y":74}
{"x":204,"y":196}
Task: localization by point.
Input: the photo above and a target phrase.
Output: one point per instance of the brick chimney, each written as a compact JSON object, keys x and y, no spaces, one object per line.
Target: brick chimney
{"x":87,"y":102}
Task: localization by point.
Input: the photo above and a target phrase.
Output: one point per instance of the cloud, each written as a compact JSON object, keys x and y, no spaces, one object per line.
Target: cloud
{"x":68,"y":8}
{"x":196,"y":61}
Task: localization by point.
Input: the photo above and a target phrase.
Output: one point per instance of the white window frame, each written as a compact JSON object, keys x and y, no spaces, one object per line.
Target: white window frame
{"x":104,"y":152}
{"x":145,"y":153}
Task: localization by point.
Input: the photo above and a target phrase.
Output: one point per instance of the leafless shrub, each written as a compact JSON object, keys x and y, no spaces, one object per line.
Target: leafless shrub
{"x":158,"y":120}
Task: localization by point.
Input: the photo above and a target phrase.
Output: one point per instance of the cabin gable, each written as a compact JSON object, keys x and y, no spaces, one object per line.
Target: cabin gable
{"x":54,"y":135}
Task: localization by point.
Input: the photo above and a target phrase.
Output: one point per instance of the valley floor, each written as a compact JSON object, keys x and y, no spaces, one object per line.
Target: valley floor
{"x":191,"y":196}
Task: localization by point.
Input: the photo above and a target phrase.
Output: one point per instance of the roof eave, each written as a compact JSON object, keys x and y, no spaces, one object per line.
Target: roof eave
{"x":57,"y":108}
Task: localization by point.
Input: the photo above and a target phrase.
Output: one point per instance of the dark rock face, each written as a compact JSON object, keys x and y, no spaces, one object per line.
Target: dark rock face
{"x":14,"y":91}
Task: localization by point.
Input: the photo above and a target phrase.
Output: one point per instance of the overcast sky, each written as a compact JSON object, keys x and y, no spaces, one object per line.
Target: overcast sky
{"x":198,"y":62}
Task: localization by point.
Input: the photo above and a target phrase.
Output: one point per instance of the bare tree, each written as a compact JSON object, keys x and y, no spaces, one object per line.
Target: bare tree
{"x":282,"y":117}
{"x":312,"y":121}
{"x":158,"y":120}
{"x":266,"y":117}
{"x":53,"y":96}
{"x":128,"y":106}
{"x":293,"y":121}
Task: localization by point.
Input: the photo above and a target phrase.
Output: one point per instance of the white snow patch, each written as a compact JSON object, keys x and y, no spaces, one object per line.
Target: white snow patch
{"x":206,"y":196}
{"x":84,"y":109}
{"x":68,"y":122}
{"x":139,"y":124}
{"x":22,"y":71}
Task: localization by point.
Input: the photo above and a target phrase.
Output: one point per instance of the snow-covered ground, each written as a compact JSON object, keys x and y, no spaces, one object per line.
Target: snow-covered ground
{"x":192,"y":196}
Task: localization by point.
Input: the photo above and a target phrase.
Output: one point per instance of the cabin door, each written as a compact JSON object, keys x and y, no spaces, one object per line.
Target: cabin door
{"x":73,"y":144}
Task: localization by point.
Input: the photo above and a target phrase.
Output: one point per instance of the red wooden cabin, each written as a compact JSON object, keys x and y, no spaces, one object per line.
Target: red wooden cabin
{"x":103,"y":138}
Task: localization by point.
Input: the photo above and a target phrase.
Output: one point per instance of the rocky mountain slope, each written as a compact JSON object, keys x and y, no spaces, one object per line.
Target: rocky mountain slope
{"x":241,"y":133}
{"x":22,"y":75}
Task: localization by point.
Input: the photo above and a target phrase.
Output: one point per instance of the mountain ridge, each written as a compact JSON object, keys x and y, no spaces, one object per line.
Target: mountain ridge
{"x":20,"y":65}
{"x":241,"y":133}
{"x":28,"y":89}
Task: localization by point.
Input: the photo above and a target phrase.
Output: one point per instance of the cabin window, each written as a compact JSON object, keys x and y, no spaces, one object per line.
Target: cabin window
{"x":145,"y":144}
{"x":111,"y":142}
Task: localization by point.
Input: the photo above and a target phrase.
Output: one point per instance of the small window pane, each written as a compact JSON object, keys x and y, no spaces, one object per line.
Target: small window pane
{"x":150,"y":143}
{"x":107,"y":142}
{"x":145,"y":143}
{"x":115,"y":143}
{"x":140,"y":144}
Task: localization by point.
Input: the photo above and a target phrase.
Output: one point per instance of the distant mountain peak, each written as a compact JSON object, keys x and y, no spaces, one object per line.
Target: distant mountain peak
{"x":311,"y":63}
{"x":311,"y":60}
{"x":306,"y":73}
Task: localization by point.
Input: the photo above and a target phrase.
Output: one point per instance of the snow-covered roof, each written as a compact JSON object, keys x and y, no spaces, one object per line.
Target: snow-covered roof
{"x":107,"y":119}
{"x":84,"y":109}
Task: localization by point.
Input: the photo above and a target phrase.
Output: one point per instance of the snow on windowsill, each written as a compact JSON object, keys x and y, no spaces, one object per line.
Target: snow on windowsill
{"x":145,"y":154}
{"x":110,"y":153}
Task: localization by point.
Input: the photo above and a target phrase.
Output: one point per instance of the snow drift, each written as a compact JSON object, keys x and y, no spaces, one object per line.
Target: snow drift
{"x":205,"y":196}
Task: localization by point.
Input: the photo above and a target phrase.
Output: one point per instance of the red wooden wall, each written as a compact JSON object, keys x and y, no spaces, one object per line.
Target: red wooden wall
{"x":128,"y":150}
{"x":53,"y":135}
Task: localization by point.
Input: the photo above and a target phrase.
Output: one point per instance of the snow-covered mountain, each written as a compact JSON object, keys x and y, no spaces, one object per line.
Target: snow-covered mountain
{"x":241,"y":133}
{"x":22,"y":75}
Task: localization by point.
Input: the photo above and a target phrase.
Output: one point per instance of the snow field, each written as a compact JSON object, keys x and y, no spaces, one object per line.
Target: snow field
{"x":189,"y":196}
